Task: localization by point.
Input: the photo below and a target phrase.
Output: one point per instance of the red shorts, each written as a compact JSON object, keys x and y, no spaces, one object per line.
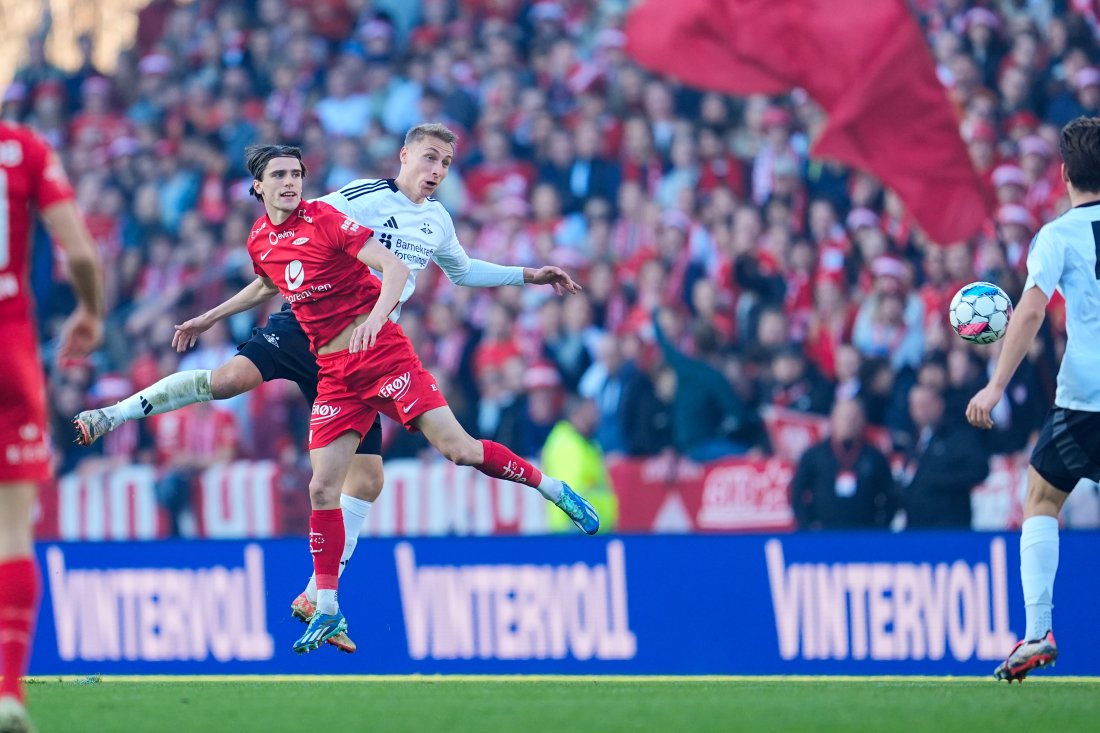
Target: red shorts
{"x":24,"y":439}
{"x":353,"y":388}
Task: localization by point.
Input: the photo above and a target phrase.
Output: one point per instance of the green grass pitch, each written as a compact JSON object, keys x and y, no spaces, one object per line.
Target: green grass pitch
{"x":536,"y":704}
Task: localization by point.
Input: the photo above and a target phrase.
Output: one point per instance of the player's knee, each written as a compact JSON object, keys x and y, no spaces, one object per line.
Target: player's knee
{"x":365,"y":485}
{"x":323,"y":494}
{"x":237,"y":376}
{"x":464,"y":451}
{"x":1043,"y":498}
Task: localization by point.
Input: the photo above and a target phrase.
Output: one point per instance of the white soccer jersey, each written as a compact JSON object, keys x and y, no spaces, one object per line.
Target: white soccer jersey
{"x":1063,"y":256}
{"x":417,"y":233}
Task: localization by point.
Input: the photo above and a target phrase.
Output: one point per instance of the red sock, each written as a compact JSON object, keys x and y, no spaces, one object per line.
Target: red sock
{"x":500,"y":462}
{"x":18,"y":602}
{"x":326,"y":542}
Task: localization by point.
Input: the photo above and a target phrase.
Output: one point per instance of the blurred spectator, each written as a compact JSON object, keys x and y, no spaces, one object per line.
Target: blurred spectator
{"x":573,"y":455}
{"x":605,"y":383}
{"x":890,"y":321}
{"x":843,"y":482}
{"x":795,"y":385}
{"x":709,"y":421}
{"x":343,"y":111}
{"x":188,"y":442}
{"x":942,"y":464}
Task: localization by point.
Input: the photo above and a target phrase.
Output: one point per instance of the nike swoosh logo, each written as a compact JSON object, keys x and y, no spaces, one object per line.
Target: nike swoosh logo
{"x":410,"y":406}
{"x":265,"y":254}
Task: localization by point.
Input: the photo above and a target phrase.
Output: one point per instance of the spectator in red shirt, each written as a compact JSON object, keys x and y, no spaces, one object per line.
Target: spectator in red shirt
{"x":498,"y":174}
{"x":188,"y":442}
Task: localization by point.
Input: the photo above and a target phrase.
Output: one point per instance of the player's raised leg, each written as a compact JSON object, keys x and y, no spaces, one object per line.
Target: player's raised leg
{"x":236,"y":376}
{"x":445,"y":433}
{"x":326,"y":537}
{"x":18,"y":599}
{"x":1038,"y":566}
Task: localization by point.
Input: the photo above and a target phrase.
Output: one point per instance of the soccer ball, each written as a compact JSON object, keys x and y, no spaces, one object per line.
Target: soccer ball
{"x":979,"y":312}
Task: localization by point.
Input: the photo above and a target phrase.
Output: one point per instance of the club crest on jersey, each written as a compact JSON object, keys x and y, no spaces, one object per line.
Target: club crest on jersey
{"x":396,"y":388}
{"x":426,"y":229}
{"x":295,"y":274}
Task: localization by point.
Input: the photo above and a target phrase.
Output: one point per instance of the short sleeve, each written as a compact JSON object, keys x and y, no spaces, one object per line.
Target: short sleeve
{"x":1045,"y":262}
{"x":51,"y":184}
{"x":349,"y":235}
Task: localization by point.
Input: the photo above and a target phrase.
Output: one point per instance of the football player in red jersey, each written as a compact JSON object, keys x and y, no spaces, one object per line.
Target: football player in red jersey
{"x":320,"y":260}
{"x":280,"y":349}
{"x":31,"y":179}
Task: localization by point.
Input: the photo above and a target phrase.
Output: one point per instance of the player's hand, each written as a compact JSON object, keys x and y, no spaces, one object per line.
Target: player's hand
{"x":81,"y":333}
{"x":982,"y":404}
{"x":187,"y":333}
{"x":557,"y":278}
{"x":365,"y":334}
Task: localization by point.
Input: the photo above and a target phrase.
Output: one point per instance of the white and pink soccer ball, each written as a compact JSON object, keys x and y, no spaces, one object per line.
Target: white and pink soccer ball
{"x":979,"y":312}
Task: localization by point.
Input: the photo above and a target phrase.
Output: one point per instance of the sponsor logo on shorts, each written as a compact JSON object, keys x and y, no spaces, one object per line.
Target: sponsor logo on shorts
{"x":323,"y":414}
{"x":272,"y":339}
{"x":410,"y":406}
{"x":396,"y":388}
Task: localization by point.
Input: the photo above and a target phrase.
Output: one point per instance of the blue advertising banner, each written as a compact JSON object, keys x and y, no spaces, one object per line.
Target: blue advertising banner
{"x":852,"y":603}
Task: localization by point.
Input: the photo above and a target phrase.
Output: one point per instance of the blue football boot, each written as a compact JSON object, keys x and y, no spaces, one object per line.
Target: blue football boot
{"x":578,"y":509}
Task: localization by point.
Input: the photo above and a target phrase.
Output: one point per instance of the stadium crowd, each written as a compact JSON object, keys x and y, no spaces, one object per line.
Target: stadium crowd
{"x":724,"y":269}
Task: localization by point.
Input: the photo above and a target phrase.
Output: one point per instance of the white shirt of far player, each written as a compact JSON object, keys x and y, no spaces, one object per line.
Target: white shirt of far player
{"x":1063,"y":256}
{"x":417,"y":233}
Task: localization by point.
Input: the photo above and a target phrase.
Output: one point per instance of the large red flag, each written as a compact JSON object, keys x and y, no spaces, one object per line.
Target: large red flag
{"x":866,"y":63}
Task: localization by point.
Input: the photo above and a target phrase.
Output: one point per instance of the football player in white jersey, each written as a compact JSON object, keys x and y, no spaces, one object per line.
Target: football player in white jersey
{"x":413,"y":225}
{"x":1063,"y":256}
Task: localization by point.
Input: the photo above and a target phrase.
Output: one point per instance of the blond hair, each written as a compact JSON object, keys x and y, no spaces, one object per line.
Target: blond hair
{"x":430,"y":129}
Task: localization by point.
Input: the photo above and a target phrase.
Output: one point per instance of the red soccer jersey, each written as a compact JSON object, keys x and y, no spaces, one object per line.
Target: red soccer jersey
{"x":311,"y":258}
{"x":31,"y":177}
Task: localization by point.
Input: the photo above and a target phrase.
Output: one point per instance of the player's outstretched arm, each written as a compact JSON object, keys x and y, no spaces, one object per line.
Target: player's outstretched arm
{"x":395,"y":274}
{"x":83,"y":329}
{"x":463,"y":270}
{"x":256,"y":292}
{"x":1026,"y":319}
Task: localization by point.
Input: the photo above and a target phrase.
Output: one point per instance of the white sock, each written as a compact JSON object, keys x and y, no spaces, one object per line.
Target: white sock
{"x":326,"y":601}
{"x":1038,"y":566}
{"x":171,"y":393}
{"x":550,"y":487}
{"x":355,"y":513}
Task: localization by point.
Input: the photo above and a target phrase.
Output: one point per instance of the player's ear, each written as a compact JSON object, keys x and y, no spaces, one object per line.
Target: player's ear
{"x":257,"y":184}
{"x":1065,"y":178}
